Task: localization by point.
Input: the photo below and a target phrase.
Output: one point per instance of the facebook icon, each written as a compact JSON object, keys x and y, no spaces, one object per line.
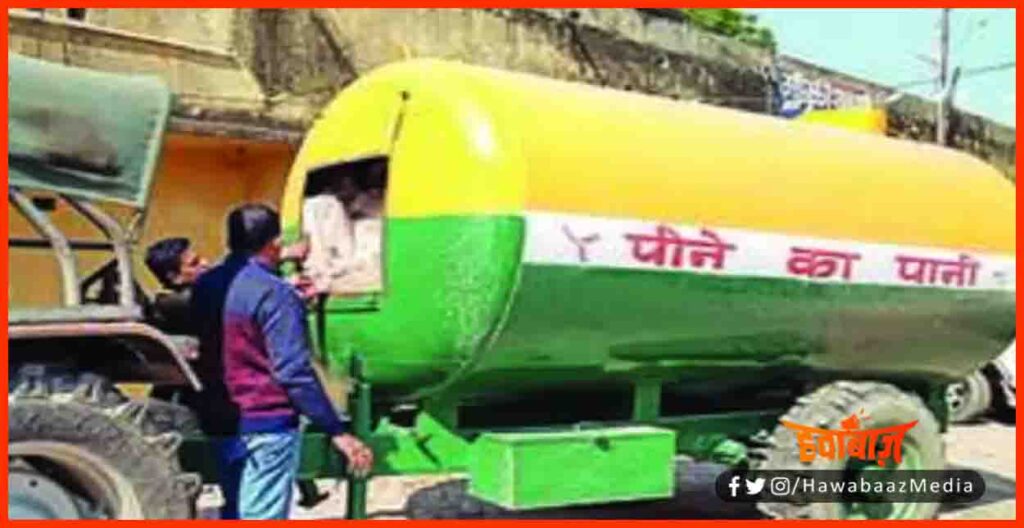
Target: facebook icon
{"x":734,"y":485}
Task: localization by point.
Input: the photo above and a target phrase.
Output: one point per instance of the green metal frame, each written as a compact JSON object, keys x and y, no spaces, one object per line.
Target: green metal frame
{"x":361,"y":421}
{"x":436,"y":444}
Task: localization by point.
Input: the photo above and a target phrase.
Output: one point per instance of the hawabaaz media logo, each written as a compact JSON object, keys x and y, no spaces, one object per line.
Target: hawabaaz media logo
{"x":850,"y":441}
{"x":881,"y":445}
{"x":807,"y":486}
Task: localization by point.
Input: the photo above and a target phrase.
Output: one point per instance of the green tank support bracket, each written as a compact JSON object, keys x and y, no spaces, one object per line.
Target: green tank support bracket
{"x":647,"y":400}
{"x":362,"y":419}
{"x":427,"y":447}
{"x":717,"y":437}
{"x":444,"y":410}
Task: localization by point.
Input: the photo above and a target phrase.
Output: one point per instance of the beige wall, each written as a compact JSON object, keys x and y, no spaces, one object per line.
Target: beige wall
{"x":199,"y":180}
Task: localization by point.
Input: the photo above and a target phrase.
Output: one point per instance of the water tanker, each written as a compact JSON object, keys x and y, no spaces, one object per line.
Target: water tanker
{"x":556,"y":253}
{"x":539,"y":232}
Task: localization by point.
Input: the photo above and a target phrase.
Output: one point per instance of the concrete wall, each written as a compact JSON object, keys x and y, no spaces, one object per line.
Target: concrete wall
{"x":192,"y":50}
{"x":209,"y":28}
{"x":300,"y":57}
{"x":609,"y":47}
{"x":283,"y":65}
{"x":192,"y":70}
{"x":914,"y":118}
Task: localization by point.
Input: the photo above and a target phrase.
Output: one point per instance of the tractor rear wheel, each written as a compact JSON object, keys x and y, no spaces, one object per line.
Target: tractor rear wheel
{"x":79,"y":449}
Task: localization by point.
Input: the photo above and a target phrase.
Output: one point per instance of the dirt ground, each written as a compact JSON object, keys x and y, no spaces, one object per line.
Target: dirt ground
{"x":985,"y":447}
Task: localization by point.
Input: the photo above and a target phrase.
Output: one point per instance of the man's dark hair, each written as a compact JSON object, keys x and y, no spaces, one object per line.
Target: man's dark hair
{"x":251,"y":227}
{"x":163,"y":259}
{"x":375,"y":177}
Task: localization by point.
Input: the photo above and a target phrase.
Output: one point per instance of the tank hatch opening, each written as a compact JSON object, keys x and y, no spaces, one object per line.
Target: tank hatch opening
{"x":342,"y":217}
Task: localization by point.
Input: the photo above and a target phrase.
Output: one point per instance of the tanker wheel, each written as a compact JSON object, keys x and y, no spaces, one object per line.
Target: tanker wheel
{"x":77,"y":448}
{"x":969,"y":398}
{"x":877,"y":405}
{"x":1004,"y":401}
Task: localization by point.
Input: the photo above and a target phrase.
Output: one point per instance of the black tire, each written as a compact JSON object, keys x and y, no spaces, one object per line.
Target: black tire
{"x":1002,"y":411}
{"x":450,"y":500}
{"x":165,"y":416}
{"x":882,"y":405}
{"x":78,"y":431}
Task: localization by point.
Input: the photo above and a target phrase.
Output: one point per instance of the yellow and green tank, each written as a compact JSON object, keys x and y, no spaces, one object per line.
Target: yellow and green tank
{"x":542,"y":234}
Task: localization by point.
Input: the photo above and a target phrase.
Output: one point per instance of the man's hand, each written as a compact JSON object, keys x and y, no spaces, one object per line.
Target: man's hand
{"x":360,"y":457}
{"x":304,"y":285}
{"x":297,"y":251}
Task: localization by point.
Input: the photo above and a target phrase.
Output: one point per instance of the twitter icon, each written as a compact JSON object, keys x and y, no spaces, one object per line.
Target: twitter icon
{"x":754,"y":486}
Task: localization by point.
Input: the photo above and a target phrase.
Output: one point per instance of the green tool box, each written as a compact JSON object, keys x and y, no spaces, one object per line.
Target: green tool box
{"x":529,"y":470}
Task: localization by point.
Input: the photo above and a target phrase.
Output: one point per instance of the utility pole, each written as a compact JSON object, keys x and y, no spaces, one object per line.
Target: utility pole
{"x":940,"y":118}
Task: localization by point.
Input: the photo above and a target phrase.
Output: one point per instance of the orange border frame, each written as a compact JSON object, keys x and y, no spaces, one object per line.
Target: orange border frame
{"x":483,"y":3}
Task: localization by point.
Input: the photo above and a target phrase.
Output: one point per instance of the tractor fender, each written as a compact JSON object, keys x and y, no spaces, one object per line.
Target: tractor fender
{"x":124,"y":351}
